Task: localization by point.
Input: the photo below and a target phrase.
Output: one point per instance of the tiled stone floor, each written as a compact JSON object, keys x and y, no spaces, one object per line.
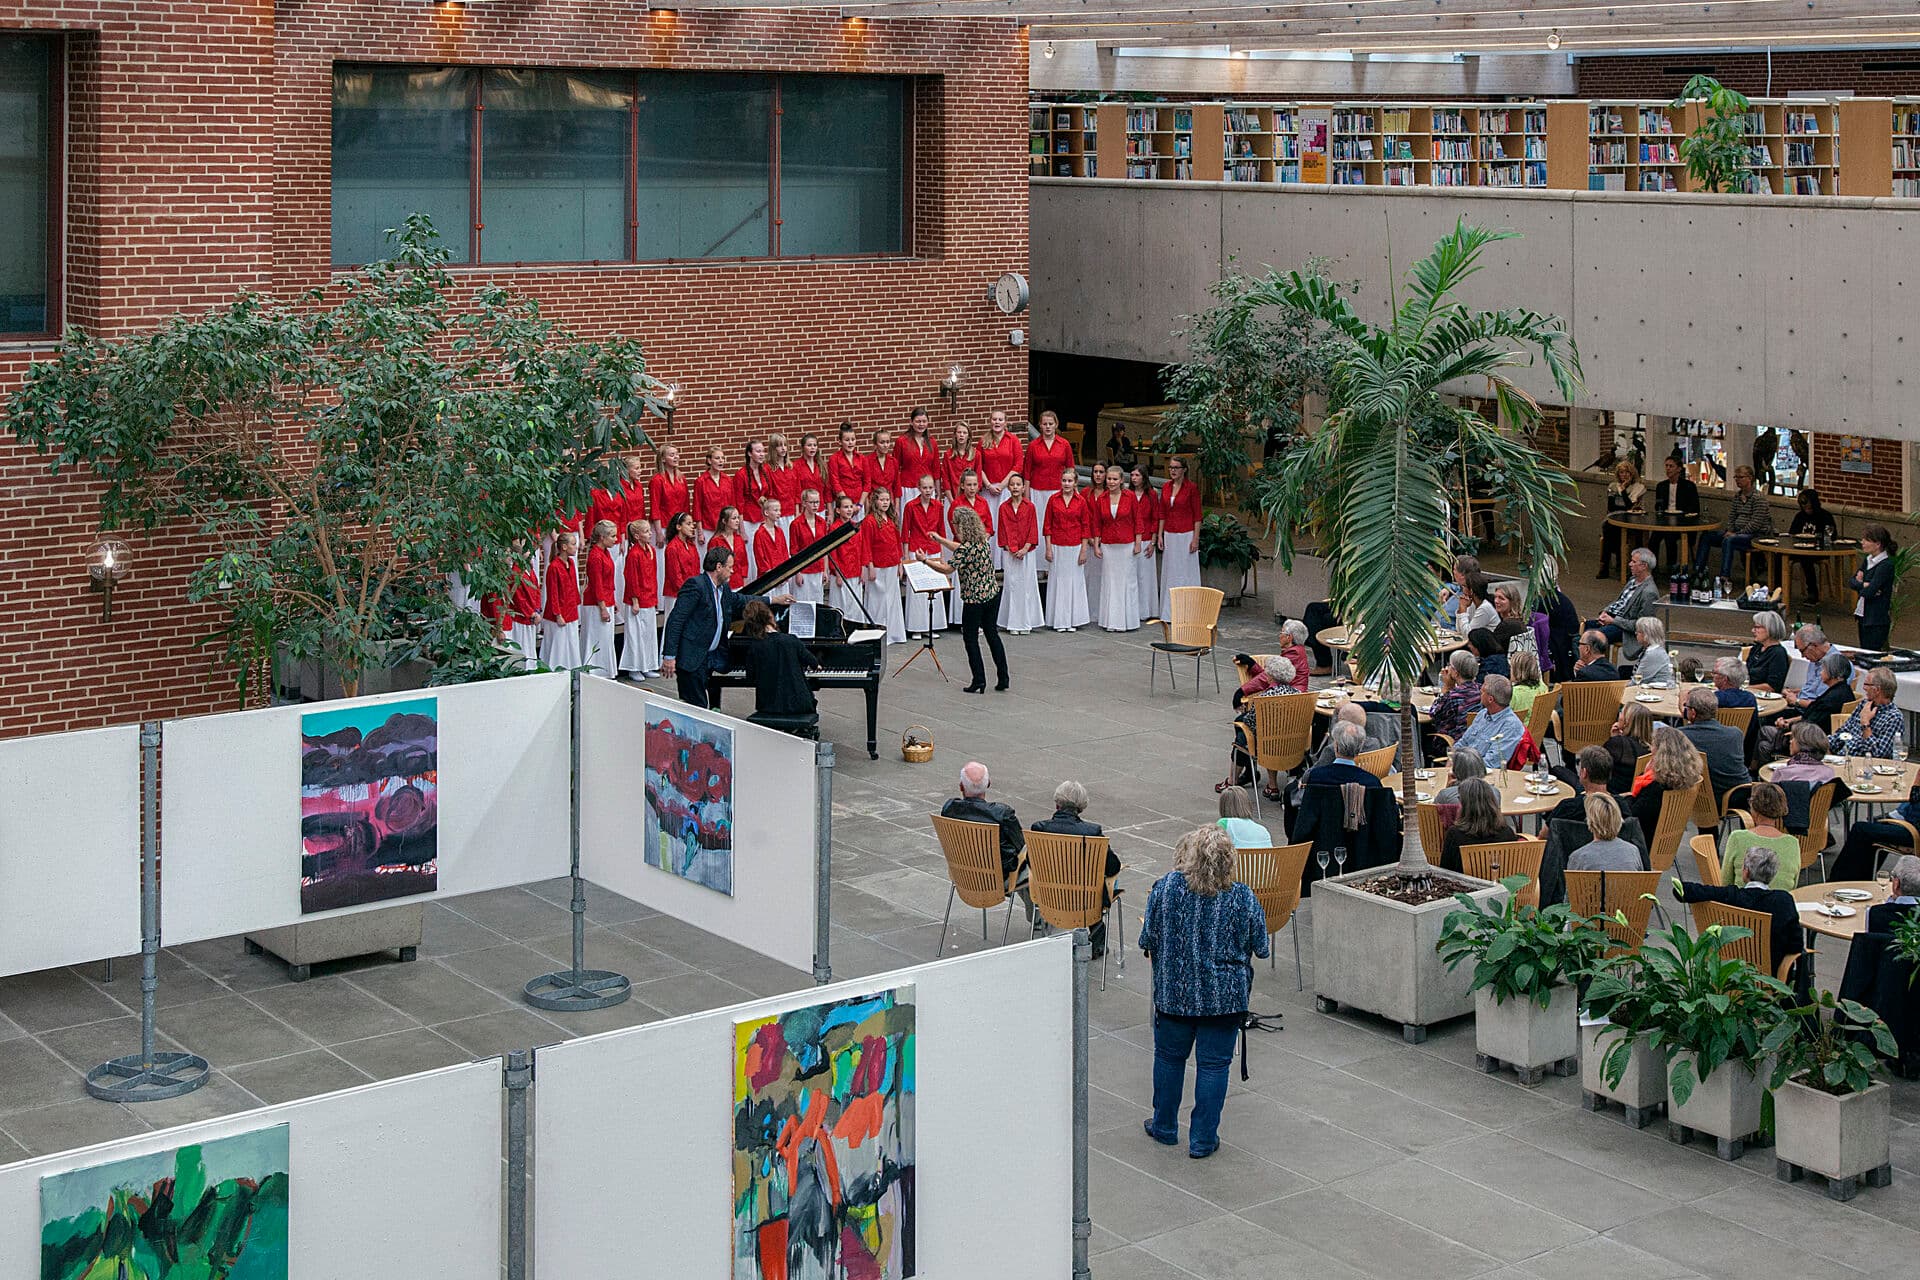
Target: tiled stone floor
{"x":1349,"y":1153}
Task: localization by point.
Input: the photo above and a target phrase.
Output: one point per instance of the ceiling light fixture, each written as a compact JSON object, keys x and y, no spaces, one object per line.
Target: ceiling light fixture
{"x":1047,"y":49}
{"x":1553,"y":38}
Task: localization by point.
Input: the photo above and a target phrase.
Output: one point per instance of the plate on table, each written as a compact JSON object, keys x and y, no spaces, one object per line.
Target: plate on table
{"x":1539,"y":790}
{"x":1832,"y":913}
{"x":1327,"y":704}
{"x":1832,"y":759}
{"x":1868,"y":789}
{"x":1647,"y":697}
{"x":1853,"y":895}
{"x":1427,"y":688}
{"x":1768,"y":697}
{"x":1806,"y":546}
{"x":1424,"y":797}
{"x":1766,"y":542}
{"x":1421,"y":775}
{"x":1887,"y":770}
{"x":1656,"y":684}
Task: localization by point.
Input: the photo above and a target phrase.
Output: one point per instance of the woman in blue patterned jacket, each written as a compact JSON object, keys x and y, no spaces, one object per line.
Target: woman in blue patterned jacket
{"x":1201,"y":929}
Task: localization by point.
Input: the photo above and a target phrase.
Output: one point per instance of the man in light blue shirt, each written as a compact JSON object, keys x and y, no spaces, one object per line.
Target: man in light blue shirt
{"x":1496,"y":731}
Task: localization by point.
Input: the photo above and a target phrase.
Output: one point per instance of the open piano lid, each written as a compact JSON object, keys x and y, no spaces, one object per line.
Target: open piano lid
{"x":773,"y":579}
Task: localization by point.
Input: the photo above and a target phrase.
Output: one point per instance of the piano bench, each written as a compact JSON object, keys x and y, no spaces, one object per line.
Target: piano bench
{"x":800,"y":726}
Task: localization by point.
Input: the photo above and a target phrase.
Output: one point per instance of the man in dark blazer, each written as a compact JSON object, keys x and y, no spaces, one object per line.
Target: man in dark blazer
{"x":1592,"y":664}
{"x":1759,"y":867}
{"x":1347,"y":741}
{"x":972,"y":805}
{"x":696,"y":639}
{"x":1724,"y":746}
{"x":1674,"y":496}
{"x":1069,"y":807}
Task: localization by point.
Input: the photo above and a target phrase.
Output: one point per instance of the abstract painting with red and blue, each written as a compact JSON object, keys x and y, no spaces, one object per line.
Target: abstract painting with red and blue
{"x":688,"y":828}
{"x":369,"y":804}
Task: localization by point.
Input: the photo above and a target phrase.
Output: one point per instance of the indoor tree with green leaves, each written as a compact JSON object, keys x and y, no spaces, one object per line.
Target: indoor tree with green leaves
{"x":342,"y":453}
{"x":1716,"y":151}
{"x":1371,"y":484}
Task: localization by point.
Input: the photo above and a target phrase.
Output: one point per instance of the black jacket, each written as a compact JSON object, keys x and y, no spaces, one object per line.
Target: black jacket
{"x":1827,"y":705}
{"x":1066,"y":822}
{"x":1881,"y":916}
{"x":1688,"y":498}
{"x":1787,"y":937}
{"x":1626,"y":751}
{"x":690,"y":627}
{"x":1875,"y":586}
{"x":1333,"y":774}
{"x":777,"y":664}
{"x":1598,"y":669}
{"x":1012,"y":838}
{"x":1321,"y":822}
{"x":1563,"y":633}
{"x":1768,"y":665}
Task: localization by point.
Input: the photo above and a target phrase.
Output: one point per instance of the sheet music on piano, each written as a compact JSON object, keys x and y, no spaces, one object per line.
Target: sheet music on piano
{"x":800,"y":619}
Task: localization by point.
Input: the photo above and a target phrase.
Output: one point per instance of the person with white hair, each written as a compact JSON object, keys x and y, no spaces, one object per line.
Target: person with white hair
{"x":972,"y":805}
{"x":1070,"y":802}
{"x":1729,"y":683}
{"x":1279,"y":681}
{"x":1904,"y":872}
{"x":1653,"y":666}
{"x":1459,"y":695}
{"x":1293,"y":647}
{"x":1347,"y":742}
{"x":1496,"y":731}
{"x":1636,"y":600}
{"x":1757,"y":893}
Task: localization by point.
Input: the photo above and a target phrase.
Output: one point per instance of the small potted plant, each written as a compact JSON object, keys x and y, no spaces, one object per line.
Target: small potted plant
{"x":1227,"y":551}
{"x":1614,"y":1065}
{"x":1830,"y":1114}
{"x":1711,"y":1016}
{"x":1526,"y":959}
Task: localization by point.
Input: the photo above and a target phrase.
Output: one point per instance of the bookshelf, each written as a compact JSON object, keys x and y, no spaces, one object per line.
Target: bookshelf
{"x":1062,"y":140}
{"x":1903,"y":147}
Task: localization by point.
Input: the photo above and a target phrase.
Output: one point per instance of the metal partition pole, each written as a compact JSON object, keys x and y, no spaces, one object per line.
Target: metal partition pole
{"x":578,"y":988}
{"x":148,"y":1076}
{"x":1082,"y":1220}
{"x":517,"y":1078}
{"x":822,"y":861}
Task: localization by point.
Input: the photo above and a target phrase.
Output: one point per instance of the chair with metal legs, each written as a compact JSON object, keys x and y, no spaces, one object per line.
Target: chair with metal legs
{"x":1067,"y":878}
{"x":1274,"y":875}
{"x":972,"y":851}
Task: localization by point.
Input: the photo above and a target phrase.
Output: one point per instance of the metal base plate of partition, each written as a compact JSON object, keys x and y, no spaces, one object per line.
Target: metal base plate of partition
{"x":134,"y":1079}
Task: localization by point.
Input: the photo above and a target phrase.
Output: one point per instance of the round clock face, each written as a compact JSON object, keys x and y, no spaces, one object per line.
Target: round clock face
{"x":1010,"y":293}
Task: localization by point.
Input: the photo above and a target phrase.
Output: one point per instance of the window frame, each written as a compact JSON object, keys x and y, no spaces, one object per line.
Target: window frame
{"x":55,"y":212}
{"x":475,"y":260}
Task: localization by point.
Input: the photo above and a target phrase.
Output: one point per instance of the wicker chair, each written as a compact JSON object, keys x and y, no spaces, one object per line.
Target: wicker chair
{"x":1705,"y":860}
{"x":1282,"y":733}
{"x":1274,"y":875}
{"x":1433,"y":832}
{"x":1587,"y":711}
{"x":1505,"y":858}
{"x":1676,"y":806}
{"x":1740,"y":718}
{"x":1757,"y":949}
{"x":1602,"y":893}
{"x":1540,"y":715}
{"x":1817,"y":838}
{"x":972,"y":851}
{"x":1066,"y":876}
{"x":1379,"y":762}
{"x":1190,"y":633}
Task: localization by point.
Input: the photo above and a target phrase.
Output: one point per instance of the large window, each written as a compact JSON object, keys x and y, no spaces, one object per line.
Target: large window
{"x":648,"y":166}
{"x":30,"y":140}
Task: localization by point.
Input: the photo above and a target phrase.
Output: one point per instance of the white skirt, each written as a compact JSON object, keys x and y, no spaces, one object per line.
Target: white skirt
{"x":1094,"y":577}
{"x":846,"y":597}
{"x":1020,"y":595}
{"x":1119,"y":590}
{"x":993,"y":514}
{"x":926,"y":612}
{"x":1146,"y":572}
{"x":641,"y":652}
{"x":596,"y":642}
{"x":811,"y":587}
{"x":525,"y":638}
{"x":458,"y":593}
{"x":883,"y":604}
{"x":1067,"y":590}
{"x":559,"y":645}
{"x":1179,"y":567}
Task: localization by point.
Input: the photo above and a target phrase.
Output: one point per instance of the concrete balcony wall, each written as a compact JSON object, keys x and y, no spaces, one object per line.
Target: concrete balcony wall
{"x":1792,"y":311}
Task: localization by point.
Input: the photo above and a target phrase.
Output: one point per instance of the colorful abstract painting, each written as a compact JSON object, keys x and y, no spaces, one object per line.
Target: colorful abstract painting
{"x":369,"y":804}
{"x":211,"y":1211}
{"x":689,"y":820}
{"x":823,"y":1142}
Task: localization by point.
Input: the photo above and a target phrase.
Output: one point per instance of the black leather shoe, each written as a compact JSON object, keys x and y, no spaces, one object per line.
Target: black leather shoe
{"x":1002,"y":687}
{"x":975,"y":688}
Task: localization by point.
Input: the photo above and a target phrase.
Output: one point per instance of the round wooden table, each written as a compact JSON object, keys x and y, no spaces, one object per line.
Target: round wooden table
{"x":1893,"y":787}
{"x":1663,"y":703}
{"x":1685,"y":526}
{"x":1780,"y":554}
{"x":1341,"y":639}
{"x":1329,"y":700}
{"x":1842,"y":927}
{"x":1515,"y":800}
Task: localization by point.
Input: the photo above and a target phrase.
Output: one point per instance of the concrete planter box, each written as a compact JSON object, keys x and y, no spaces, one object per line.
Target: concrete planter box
{"x":1725,"y":1107}
{"x":1231,"y":583}
{"x":1377,"y":955}
{"x":1844,"y":1138}
{"x":1643,"y":1086}
{"x":1522,"y":1035}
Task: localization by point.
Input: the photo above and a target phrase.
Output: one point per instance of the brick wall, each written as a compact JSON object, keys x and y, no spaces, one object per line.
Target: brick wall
{"x":1881,"y":491}
{"x":1663,"y":75}
{"x":199,"y":167}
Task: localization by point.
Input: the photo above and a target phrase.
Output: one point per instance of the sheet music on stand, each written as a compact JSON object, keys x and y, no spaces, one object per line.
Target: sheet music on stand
{"x":924,"y":577}
{"x":800,"y":619}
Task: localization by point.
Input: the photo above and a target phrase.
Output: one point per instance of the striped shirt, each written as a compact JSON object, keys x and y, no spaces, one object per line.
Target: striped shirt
{"x":1749,"y":513}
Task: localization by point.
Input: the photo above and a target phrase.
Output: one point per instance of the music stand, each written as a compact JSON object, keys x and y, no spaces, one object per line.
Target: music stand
{"x":928,"y":582}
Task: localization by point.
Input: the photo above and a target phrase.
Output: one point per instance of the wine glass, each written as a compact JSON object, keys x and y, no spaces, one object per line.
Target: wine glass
{"x":1320,"y":855}
{"x":1340,"y":859}
{"x":1883,"y":879}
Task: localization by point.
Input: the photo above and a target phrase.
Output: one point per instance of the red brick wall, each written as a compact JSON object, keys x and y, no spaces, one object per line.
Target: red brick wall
{"x":1664,"y":75}
{"x":199,"y":167}
{"x":1881,"y":491}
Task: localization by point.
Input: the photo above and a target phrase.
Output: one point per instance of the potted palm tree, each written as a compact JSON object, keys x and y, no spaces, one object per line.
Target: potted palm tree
{"x":1526,"y":960}
{"x":1371,"y":487}
{"x":1830,"y":1114}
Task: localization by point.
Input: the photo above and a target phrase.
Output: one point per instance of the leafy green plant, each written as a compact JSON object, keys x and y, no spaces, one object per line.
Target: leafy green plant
{"x":343,"y":452}
{"x":1839,"y":1053}
{"x":1904,"y":560}
{"x":1370,"y":486}
{"x":1520,"y":951}
{"x":1225,"y":543}
{"x":1906,"y":941}
{"x":1716,"y":151}
{"x":1681,"y":996}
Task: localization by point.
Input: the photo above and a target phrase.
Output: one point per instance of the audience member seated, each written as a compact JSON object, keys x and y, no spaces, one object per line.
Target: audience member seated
{"x":1516,"y":620}
{"x":1463,"y":566}
{"x":1463,"y":766}
{"x":1479,"y":822}
{"x":1723,"y":745}
{"x":1814,"y":647}
{"x":1069,"y":803}
{"x":1872,"y":727}
{"x":1607,"y":851}
{"x":1905,"y":873}
{"x":1654,"y":666}
{"x":1729,"y":681}
{"x":1527,"y":681}
{"x":1593,"y":775}
{"x":1497,"y":731}
{"x":1253,"y":679}
{"x":1808,"y":762}
{"x":1768,"y":804}
{"x":1293,"y":647}
{"x":972,"y":805}
{"x":1487,"y":651}
{"x":1472,"y":609}
{"x":1591,"y":663}
{"x":1861,"y":853}
{"x":1347,"y":741}
{"x":1459,"y":695}
{"x":1277,"y":675}
{"x":1833,"y":672}
{"x":1674,"y":766}
{"x":777,"y":664}
{"x":1382,"y":730}
{"x":1236,"y":819}
{"x":1768,"y":658}
{"x":1635,"y":601}
{"x":1632,"y":738}
{"x":1755,"y":893}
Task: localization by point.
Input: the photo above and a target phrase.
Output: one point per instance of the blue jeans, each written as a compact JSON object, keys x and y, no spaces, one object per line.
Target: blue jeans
{"x":1210,"y":1041}
{"x":1729,"y":543}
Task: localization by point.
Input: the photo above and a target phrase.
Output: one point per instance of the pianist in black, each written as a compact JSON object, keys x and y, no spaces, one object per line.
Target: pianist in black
{"x":696,"y":639}
{"x":777,"y":663}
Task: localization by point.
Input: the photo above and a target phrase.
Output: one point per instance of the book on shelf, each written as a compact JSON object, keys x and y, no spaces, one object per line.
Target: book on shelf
{"x":1037,"y":119}
{"x":1908,"y":188}
{"x":1606,"y":182}
{"x":1802,"y":122}
{"x":1495,"y":121}
{"x":1906,"y":121}
{"x":1283,"y":121}
{"x":1063,"y":120}
{"x":1502,"y":175}
{"x":1063,"y":169}
{"x":1396,"y":149}
{"x":1243,"y":120}
{"x":1536,"y":149}
{"x":1754,"y":122}
{"x":1534,"y":121}
{"x":1803,"y":184}
{"x":1183,"y":168}
{"x":1093,"y":165}
{"x":1353,"y":122}
{"x":1657,"y":180}
{"x":1536,"y":173}
{"x":1452,"y":149}
{"x":1604,"y":121}
{"x":1140,"y":170}
{"x":1037,"y":144}
{"x":1287,"y":172}
{"x":1183,"y":144}
{"x":1800,"y":155}
{"x":1655,"y":120}
{"x":1288,"y":147}
{"x":1449,"y":121}
{"x":1492,"y":149}
{"x":1758,"y":157}
{"x":1450,"y":175}
{"x":1143,"y":120}
{"x":1606,"y":153}
{"x":1182,"y":120}
{"x":1906,"y":154}
{"x":1243,"y":171}
{"x":1659,"y":153}
{"x":1754,"y":184}
{"x":1396,"y":121}
{"x":1399,"y":175}
{"x":1349,"y":176}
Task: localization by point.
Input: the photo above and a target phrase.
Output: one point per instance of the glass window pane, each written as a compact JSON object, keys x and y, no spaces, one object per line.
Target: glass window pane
{"x":842,"y":161}
{"x":705,"y":143}
{"x":553,"y":166}
{"x":402,"y":144}
{"x":26,"y":102}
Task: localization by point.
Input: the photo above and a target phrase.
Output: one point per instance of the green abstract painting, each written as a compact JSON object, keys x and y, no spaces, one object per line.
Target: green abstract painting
{"x":211,"y":1211}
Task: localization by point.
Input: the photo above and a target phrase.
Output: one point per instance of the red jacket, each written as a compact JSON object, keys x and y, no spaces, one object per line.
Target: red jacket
{"x":1001,"y":460}
{"x":667,"y":497}
{"x":643,"y":588}
{"x":526,"y":598}
{"x":609,"y":505}
{"x":1146,"y":514}
{"x":1180,"y":511}
{"x":804,"y":475}
{"x":911,"y":461}
{"x":1019,"y":526}
{"x":683,"y":562}
{"x":880,"y":473}
{"x":1045,"y":464}
{"x":770,"y":546}
{"x":955,"y":465}
{"x":847,"y":475}
{"x":1113,"y":527}
{"x":979,"y":506}
{"x":851,"y":556}
{"x":742,"y":567}
{"x":920,"y":522}
{"x":600,"y":587}
{"x":803,"y":532}
{"x":563,"y":592}
{"x":710,"y":493}
{"x":750,"y":488}
{"x":1069,"y":521}
{"x":882,"y":537}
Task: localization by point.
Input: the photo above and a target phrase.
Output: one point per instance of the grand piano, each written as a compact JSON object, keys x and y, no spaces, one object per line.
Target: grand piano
{"x":838,"y":662}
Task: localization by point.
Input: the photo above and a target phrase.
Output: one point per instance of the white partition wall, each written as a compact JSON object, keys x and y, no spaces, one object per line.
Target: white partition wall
{"x":392,"y":1181}
{"x":771,"y":909}
{"x":635,"y":1153}
{"x":230,"y":809}
{"x":69,"y":848}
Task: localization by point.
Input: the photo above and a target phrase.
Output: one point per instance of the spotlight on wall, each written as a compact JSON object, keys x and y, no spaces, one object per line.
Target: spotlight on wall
{"x":107,"y":564}
{"x":670,"y":403}
{"x":1046,"y":49}
{"x":950,"y":389}
{"x":1553,"y":39}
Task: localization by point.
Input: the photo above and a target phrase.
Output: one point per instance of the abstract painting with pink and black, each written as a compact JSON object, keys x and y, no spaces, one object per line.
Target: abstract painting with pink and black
{"x":369,"y":804}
